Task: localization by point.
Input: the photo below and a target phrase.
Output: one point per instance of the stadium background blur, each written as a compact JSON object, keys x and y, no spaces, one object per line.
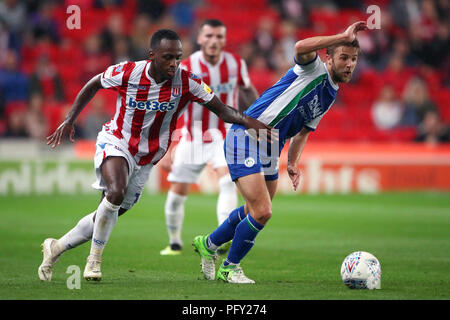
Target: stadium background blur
{"x":399,"y":94}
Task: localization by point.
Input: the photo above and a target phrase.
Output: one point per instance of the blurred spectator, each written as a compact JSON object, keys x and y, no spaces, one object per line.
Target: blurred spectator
{"x":375,"y":45}
{"x":121,"y":50}
{"x":13,"y":83}
{"x":103,"y":4}
{"x":113,"y":31}
{"x":4,"y":41}
{"x":15,"y":121}
{"x":46,"y":80}
{"x":436,"y":51}
{"x":264,"y":39}
{"x":247,"y":52}
{"x":36,"y":124}
{"x":345,"y":4}
{"x":396,"y":74}
{"x":94,"y":60}
{"x":432,"y":130}
{"x":288,"y":38}
{"x":387,"y":111}
{"x":401,"y":49}
{"x":262,"y":76}
{"x":188,"y":46}
{"x":404,"y":12}
{"x":428,"y":21}
{"x":278,"y":60}
{"x":2,"y":106}
{"x":95,"y":119}
{"x":295,"y":11}
{"x":166,"y":21}
{"x":43,"y":25}
{"x":416,"y":99}
{"x":183,"y":13}
{"x":140,"y":38}
{"x":443,"y":9}
{"x":13,"y":13}
{"x":153,"y":9}
{"x":8,"y":40}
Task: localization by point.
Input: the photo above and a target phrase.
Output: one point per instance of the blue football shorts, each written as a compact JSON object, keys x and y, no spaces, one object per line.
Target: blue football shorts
{"x":245,"y":155}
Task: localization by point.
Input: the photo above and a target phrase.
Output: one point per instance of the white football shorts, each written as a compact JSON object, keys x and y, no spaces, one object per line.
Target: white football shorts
{"x":192,"y":157}
{"x":108,"y":145}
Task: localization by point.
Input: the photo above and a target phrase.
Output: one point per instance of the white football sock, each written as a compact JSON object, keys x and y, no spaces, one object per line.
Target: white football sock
{"x":228,"y":198}
{"x":105,"y":220}
{"x":174,"y":211}
{"x":80,"y":234}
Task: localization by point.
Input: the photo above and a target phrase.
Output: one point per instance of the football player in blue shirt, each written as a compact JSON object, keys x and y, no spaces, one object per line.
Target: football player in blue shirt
{"x":294,"y":106}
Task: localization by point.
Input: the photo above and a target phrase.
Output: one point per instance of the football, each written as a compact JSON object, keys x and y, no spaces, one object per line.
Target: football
{"x":361,"y":270}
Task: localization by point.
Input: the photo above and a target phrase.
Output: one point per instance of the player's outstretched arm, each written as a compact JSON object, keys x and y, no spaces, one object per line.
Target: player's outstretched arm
{"x":296,"y":146}
{"x":82,"y":99}
{"x":305,"y":50}
{"x":231,"y":115}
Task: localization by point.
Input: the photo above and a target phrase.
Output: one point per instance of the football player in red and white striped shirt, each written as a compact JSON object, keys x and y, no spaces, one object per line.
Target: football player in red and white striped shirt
{"x":152,"y":94}
{"x":203,"y":133}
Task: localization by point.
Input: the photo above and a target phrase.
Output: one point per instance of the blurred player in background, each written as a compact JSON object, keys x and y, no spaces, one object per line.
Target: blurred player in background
{"x":294,"y":106}
{"x":203,"y":132}
{"x":152,"y":94}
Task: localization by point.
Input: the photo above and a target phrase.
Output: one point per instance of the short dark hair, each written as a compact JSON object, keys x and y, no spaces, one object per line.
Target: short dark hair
{"x":213,"y":23}
{"x":161,"y":34}
{"x":354,"y":44}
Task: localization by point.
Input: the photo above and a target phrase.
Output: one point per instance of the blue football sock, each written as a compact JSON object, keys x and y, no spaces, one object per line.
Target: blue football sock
{"x":225,"y":232}
{"x":243,"y":240}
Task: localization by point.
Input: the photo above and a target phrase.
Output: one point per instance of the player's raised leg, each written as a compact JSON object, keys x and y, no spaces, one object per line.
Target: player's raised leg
{"x":258,"y":196}
{"x":114,"y":171}
{"x":242,"y":226}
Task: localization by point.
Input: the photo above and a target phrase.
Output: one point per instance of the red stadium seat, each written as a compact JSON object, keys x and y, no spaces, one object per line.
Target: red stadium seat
{"x":232,"y":4}
{"x":52,"y":112}
{"x":15,"y":106}
{"x":72,"y":89}
{"x":69,"y":73}
{"x":404,"y":134}
{"x":326,"y":21}
{"x":3,"y":126}
{"x":358,"y":95}
{"x":350,"y":16}
{"x":442,"y":100}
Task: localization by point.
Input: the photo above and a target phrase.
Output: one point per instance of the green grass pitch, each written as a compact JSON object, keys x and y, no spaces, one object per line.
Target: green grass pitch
{"x":296,"y":257}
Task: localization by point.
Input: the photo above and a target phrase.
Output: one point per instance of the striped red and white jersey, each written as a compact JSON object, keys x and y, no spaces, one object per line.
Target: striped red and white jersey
{"x":224,"y":78}
{"x":146,"y":111}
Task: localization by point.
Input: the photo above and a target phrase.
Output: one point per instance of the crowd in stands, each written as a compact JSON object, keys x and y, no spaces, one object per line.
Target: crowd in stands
{"x":399,"y":92}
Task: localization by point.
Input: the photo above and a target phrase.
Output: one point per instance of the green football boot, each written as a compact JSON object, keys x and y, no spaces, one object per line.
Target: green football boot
{"x":208,"y":257}
{"x":232,"y":273}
